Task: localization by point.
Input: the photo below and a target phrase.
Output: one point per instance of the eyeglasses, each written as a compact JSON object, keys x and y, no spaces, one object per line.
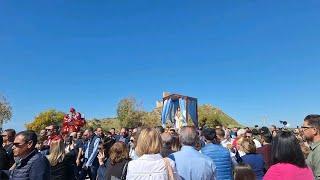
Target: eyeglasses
{"x":4,"y":135}
{"x":18,"y":145}
{"x":48,"y":129}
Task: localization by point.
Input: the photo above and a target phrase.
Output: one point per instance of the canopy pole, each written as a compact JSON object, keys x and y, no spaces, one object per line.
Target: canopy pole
{"x":187,"y":112}
{"x":197,"y":113}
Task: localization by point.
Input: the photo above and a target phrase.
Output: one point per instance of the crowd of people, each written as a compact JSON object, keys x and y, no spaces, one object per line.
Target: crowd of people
{"x":163,"y":153}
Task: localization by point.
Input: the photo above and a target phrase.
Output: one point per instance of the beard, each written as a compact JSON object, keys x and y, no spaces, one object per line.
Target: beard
{"x":307,"y":138}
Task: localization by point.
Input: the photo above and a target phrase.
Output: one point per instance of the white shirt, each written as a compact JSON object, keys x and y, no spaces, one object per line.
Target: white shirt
{"x":257,"y":143}
{"x":225,"y":142}
{"x":151,"y":167}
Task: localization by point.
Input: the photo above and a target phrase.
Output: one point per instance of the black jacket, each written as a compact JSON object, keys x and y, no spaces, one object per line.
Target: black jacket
{"x":107,"y":171}
{"x":9,"y":150}
{"x":4,"y":159}
{"x":63,"y":170}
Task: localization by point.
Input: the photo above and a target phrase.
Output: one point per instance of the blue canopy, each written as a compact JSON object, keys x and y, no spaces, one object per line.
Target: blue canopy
{"x":188,"y":106}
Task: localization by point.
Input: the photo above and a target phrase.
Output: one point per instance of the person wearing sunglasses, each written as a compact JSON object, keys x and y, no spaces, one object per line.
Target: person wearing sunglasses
{"x":32,"y":165}
{"x":311,"y":132}
{"x":52,"y":133}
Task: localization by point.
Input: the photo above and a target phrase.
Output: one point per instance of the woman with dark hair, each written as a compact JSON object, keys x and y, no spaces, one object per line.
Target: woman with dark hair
{"x":115,"y":166}
{"x":243,"y":172}
{"x":287,"y":159}
{"x":118,"y":161}
{"x":176,"y":146}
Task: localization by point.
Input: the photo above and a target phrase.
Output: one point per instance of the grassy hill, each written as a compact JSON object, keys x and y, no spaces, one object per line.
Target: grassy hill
{"x":208,"y":115}
{"x":212,"y":116}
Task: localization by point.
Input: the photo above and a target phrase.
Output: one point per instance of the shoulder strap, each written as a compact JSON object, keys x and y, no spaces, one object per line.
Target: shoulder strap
{"x":169,"y":169}
{"x":124,"y":171}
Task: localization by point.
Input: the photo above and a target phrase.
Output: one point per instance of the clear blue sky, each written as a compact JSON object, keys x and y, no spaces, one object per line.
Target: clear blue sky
{"x":249,"y":58}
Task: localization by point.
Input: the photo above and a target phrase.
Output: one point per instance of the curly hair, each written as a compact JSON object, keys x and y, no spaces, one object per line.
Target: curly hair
{"x":118,"y":152}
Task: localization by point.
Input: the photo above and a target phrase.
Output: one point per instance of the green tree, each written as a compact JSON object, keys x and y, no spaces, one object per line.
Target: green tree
{"x":106,"y":124}
{"x":152,"y":119}
{"x":128,"y":113}
{"x":44,"y":119}
{"x":5,"y":111}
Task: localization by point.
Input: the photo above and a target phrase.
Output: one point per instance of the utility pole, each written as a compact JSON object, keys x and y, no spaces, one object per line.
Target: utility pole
{"x":264,"y":120}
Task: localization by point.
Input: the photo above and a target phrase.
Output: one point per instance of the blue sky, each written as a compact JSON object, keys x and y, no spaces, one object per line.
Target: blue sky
{"x":252,"y":59}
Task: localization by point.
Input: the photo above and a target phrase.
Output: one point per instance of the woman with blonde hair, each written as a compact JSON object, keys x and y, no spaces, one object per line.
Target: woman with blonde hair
{"x":251,"y":158}
{"x":150,"y":164}
{"x":60,"y":162}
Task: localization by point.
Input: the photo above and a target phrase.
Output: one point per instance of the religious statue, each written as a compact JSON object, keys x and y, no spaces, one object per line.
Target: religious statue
{"x":72,"y":122}
{"x":179,"y":119}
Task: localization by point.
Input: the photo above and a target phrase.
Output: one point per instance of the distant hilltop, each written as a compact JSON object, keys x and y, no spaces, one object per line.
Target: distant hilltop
{"x":212,"y":116}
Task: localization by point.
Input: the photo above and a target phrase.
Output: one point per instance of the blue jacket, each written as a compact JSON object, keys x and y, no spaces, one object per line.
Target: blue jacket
{"x":222,"y":159}
{"x":191,"y":164}
{"x":92,"y":152}
{"x":256,"y":162}
{"x":123,"y":139}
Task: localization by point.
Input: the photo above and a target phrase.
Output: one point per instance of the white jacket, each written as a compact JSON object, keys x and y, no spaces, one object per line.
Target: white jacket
{"x":150,"y":167}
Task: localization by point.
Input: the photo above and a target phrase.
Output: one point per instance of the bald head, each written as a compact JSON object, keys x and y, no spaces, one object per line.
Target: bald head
{"x":73,"y":134}
{"x":188,"y":136}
